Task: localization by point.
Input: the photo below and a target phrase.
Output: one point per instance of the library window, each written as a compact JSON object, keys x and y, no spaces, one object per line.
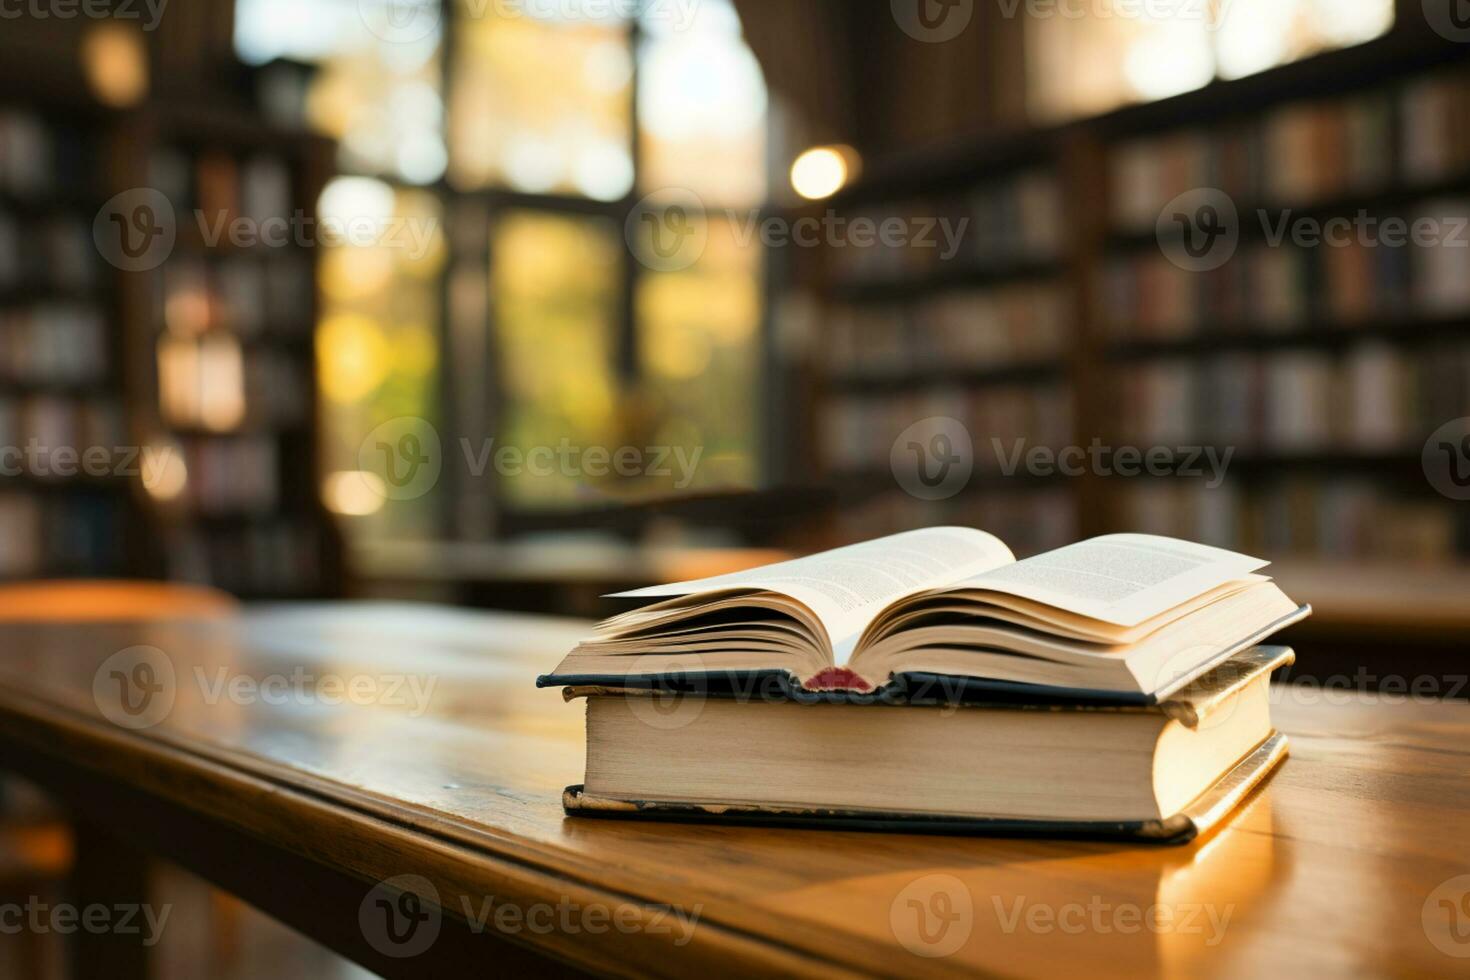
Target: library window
{"x":1114,"y":53}
{"x":535,"y":175}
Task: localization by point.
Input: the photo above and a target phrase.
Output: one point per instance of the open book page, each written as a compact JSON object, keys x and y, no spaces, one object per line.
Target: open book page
{"x":847,"y":587}
{"x":1121,"y":579}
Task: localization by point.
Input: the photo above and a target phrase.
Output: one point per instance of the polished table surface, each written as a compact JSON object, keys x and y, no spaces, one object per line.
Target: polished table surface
{"x":378,"y":741}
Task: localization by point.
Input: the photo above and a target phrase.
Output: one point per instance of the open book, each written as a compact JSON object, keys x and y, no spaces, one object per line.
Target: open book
{"x":1127,"y":617}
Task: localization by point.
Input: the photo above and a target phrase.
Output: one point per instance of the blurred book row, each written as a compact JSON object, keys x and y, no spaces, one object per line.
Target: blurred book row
{"x":214,"y":186}
{"x":60,"y":534}
{"x":1020,"y":324}
{"x":1014,"y":219}
{"x":247,"y":295}
{"x":54,"y":342}
{"x":47,"y":252}
{"x":1373,"y":398}
{"x":42,"y":159}
{"x":858,"y":432}
{"x":1300,"y":154}
{"x":1282,"y":288}
{"x":51,"y":422}
{"x":1325,"y":516}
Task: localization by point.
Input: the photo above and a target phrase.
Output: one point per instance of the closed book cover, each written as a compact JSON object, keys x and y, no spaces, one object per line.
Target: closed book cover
{"x":1191,"y":708}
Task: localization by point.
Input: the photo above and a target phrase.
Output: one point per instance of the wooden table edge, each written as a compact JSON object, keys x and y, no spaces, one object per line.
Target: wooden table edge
{"x":451,"y":854}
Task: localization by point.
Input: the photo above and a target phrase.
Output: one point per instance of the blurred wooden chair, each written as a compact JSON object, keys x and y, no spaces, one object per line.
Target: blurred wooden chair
{"x":36,"y":844}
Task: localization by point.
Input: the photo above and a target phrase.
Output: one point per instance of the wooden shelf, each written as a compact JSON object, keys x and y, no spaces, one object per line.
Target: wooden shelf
{"x":1409,"y":48}
{"x":1385,"y":464}
{"x":865,"y":482}
{"x":954,"y":275}
{"x":1397,"y":329}
{"x":938,"y":376}
{"x":1379,"y":203}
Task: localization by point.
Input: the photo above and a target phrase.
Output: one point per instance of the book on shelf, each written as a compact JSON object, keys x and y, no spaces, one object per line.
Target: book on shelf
{"x":1435,"y":141}
{"x":1372,"y":398}
{"x":1295,"y":155}
{"x":1325,"y":517}
{"x":1384,"y":274}
{"x":1001,"y":220}
{"x":951,"y":330}
{"x":1126,"y":668}
{"x":859,"y":430}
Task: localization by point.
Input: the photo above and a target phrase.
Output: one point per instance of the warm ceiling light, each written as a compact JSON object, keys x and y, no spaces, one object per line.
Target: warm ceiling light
{"x":821,"y":172}
{"x":115,"y":61}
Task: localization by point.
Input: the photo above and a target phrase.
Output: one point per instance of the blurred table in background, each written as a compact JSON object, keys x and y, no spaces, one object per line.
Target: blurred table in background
{"x":1387,"y":621}
{"x":567,"y":576}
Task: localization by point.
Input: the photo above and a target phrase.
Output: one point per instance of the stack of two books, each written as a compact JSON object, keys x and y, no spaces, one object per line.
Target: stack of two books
{"x":929,"y":681}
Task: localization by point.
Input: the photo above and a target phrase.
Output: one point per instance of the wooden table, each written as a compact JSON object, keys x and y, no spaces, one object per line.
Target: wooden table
{"x":303,"y":805}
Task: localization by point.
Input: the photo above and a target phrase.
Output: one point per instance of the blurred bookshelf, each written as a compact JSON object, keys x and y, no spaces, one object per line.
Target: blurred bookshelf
{"x":970,"y":318}
{"x":1061,"y":319}
{"x":62,"y":388}
{"x":224,"y":350}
